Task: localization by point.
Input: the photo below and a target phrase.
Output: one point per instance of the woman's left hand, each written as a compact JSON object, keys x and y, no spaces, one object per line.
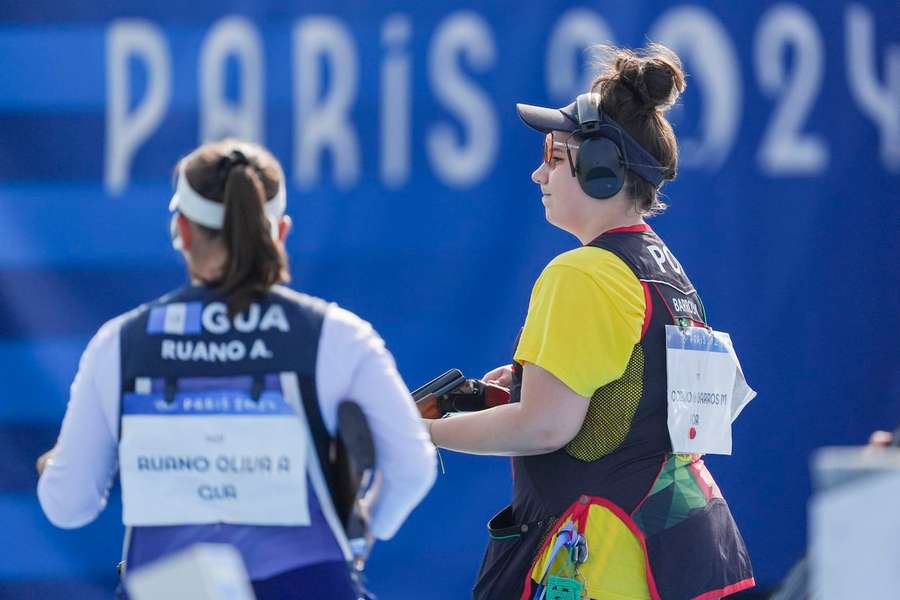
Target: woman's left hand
{"x":501,"y":376}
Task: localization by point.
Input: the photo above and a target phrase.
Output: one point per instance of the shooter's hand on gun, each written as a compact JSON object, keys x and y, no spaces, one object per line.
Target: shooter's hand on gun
{"x":501,"y":376}
{"x":452,"y":392}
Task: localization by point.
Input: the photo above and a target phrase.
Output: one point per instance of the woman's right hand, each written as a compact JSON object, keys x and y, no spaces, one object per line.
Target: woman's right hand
{"x":501,"y":376}
{"x":41,"y":462}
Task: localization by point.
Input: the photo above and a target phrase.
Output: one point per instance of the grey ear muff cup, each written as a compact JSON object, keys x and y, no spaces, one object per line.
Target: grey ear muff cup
{"x":600,"y":168}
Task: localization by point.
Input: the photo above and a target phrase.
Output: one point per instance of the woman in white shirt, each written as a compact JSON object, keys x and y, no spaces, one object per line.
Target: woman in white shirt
{"x":217,"y":402}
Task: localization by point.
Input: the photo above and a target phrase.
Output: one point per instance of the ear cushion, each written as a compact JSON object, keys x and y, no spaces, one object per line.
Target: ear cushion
{"x":600,"y":169}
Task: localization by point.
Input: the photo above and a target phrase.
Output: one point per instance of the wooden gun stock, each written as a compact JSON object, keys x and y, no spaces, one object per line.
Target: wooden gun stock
{"x":428,"y":407}
{"x":427,"y":396}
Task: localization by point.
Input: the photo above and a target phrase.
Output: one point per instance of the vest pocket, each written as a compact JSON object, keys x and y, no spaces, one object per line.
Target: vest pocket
{"x":508,"y":556}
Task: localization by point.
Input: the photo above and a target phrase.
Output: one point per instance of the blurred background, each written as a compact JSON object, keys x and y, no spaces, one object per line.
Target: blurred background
{"x":413,"y":206}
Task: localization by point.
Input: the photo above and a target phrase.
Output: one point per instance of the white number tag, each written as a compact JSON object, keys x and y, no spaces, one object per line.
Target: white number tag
{"x":706,"y":389}
{"x":213,"y":457}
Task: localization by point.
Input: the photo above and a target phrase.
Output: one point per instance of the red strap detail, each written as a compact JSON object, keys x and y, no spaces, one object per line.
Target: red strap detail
{"x":632,"y":228}
{"x":734,"y":588}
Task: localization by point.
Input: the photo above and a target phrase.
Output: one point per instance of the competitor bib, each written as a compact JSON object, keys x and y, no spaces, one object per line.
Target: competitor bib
{"x":706,"y":389}
{"x":212,"y":456}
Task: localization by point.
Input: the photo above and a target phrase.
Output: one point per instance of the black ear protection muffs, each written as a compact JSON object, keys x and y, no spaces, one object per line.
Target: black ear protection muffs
{"x":599,"y":167}
{"x":607,"y":152}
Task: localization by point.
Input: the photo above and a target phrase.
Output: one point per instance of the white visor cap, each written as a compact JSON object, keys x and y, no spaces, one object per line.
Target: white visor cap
{"x":211,"y":214}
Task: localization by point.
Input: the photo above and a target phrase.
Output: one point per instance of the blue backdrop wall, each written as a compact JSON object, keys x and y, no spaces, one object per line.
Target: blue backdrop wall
{"x":410,"y":191}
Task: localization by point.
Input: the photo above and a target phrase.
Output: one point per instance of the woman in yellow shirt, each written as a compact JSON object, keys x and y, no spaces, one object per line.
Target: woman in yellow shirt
{"x":602,"y":507}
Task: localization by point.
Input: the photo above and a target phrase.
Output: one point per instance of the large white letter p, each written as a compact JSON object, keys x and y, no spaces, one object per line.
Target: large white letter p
{"x":125,"y":132}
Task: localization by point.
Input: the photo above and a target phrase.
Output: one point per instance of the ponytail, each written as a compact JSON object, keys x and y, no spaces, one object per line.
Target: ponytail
{"x":255,"y":262}
{"x":243,"y":177}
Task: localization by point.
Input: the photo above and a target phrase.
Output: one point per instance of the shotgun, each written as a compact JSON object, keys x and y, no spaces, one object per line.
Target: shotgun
{"x":453,"y":392}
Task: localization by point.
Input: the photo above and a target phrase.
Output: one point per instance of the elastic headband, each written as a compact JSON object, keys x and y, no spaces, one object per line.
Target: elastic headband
{"x":211,"y":214}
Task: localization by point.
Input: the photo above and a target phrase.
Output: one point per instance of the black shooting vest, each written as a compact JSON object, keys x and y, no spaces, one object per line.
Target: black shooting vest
{"x":609,"y":457}
{"x":188,"y":336}
{"x":621,"y":449}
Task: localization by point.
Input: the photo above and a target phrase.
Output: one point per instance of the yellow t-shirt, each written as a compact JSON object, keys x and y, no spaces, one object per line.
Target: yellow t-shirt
{"x":584,"y":318}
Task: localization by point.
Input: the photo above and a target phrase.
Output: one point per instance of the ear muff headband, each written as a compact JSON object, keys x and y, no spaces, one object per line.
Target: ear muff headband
{"x":587,"y":107}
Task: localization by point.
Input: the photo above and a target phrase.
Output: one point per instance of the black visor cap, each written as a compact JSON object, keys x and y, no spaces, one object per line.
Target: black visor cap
{"x":637,"y":159}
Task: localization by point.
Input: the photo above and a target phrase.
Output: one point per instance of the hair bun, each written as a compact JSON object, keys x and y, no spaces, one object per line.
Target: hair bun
{"x":654,"y":76}
{"x":636,"y":87}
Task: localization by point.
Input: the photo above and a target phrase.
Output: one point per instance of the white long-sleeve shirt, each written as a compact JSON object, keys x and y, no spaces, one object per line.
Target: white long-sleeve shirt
{"x":352,"y":364}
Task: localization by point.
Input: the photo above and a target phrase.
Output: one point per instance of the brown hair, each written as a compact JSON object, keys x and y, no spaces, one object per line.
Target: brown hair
{"x":636,"y":87}
{"x":243,"y":177}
